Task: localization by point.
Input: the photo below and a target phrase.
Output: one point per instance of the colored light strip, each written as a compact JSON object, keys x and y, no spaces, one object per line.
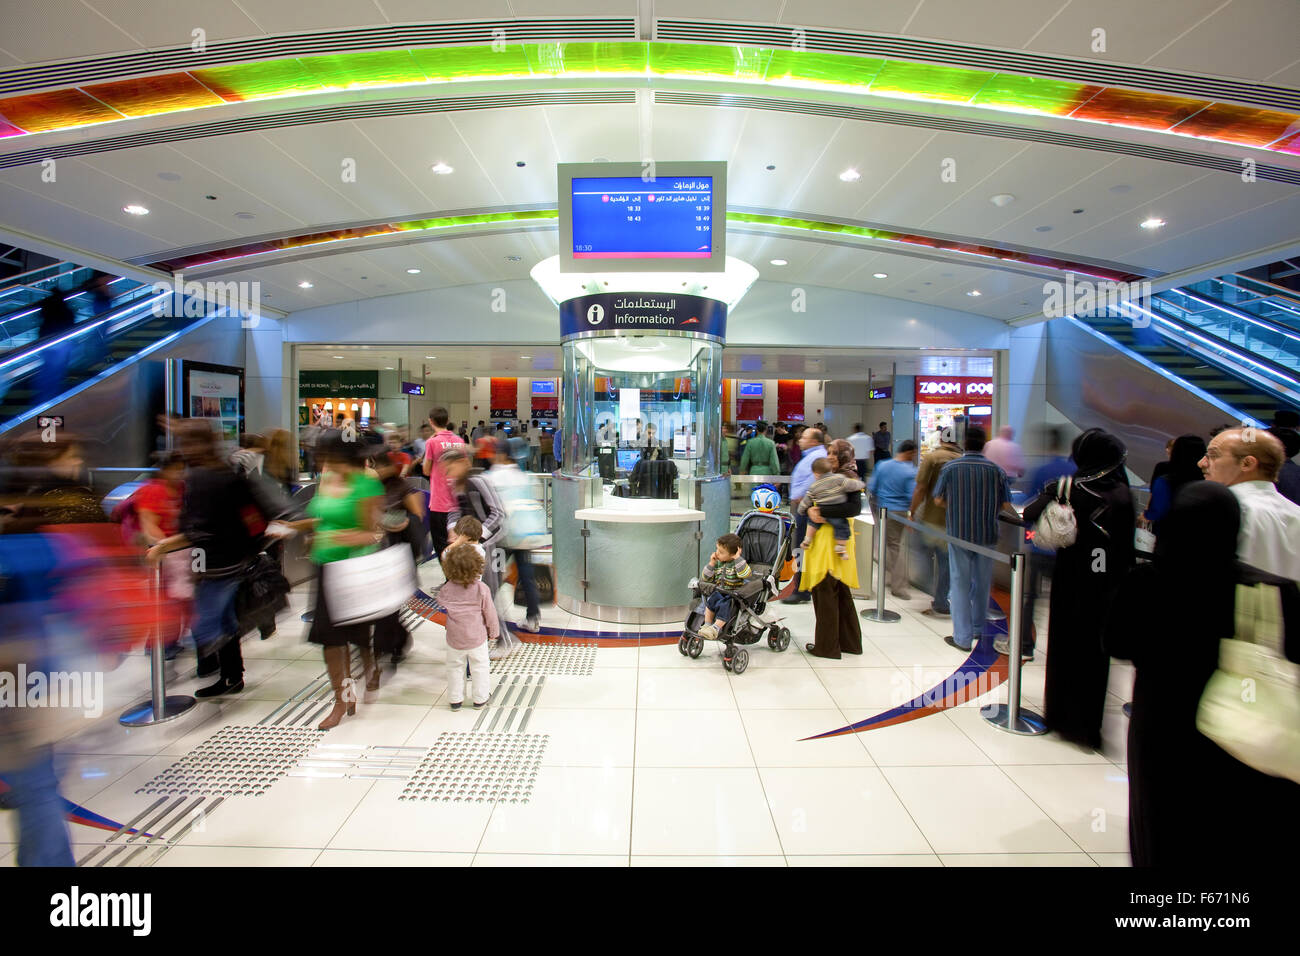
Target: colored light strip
{"x":170,"y":93}
{"x":266,"y":247}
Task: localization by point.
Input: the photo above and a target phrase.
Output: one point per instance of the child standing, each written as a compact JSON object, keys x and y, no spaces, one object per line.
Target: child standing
{"x":471,"y":622}
{"x":728,"y":570}
{"x":829,"y":488}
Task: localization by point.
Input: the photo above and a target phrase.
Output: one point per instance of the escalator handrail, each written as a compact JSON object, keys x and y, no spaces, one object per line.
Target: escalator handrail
{"x":1282,"y":330}
{"x":121,"y":300}
{"x":115,"y":313}
{"x":1288,"y":386}
{"x":1279,"y":291}
{"x":23,"y":278}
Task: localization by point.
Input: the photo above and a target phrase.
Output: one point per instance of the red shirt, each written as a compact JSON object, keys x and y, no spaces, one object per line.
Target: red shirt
{"x":440,"y":499}
{"x":399,"y":458}
{"x":164,"y":502}
{"x":487,"y":447}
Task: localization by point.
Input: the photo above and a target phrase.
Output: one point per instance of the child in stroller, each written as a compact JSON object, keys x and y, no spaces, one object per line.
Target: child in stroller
{"x":738,"y":615}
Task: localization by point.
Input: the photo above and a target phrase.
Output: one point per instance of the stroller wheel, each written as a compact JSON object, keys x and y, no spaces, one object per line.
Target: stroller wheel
{"x":682,"y":644}
{"x":694,"y":645}
{"x":783,"y":639}
{"x":739,"y":661}
{"x":773,"y":636}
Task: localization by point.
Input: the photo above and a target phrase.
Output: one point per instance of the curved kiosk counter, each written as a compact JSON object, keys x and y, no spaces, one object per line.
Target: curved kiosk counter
{"x":639,"y":498}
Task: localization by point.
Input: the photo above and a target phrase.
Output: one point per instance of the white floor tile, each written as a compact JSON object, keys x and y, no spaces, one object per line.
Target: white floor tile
{"x":548,"y":859}
{"x":616,"y":688}
{"x":776,"y":738}
{"x":705,"y":687}
{"x":865,"y":691}
{"x":573,"y":810}
{"x":887,"y":860}
{"x":237,"y":856}
{"x":581,"y":738}
{"x":975,"y":810}
{"x":391,"y":858}
{"x":1089,"y":802}
{"x":701,"y":861}
{"x":1008,"y":748}
{"x":691,"y":738}
{"x":839,"y":810}
{"x":380,"y":821}
{"x":295,"y":812}
{"x":932,"y":741}
{"x":1112,"y":859}
{"x":1017,"y":859}
{"x":784,"y":689}
{"x":701,"y":812}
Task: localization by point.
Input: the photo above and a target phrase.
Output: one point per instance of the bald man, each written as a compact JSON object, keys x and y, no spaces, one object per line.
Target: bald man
{"x":1248,"y":460}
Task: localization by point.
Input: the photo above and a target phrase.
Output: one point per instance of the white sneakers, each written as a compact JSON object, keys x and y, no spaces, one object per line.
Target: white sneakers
{"x":708,"y":631}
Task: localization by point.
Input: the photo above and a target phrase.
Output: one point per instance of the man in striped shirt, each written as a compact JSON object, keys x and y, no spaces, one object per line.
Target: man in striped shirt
{"x":974,"y":490}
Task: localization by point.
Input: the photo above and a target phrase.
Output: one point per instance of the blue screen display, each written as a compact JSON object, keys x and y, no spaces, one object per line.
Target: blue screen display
{"x":751,"y":389}
{"x":627,"y":458}
{"x":543,"y":387}
{"x":627,"y":217}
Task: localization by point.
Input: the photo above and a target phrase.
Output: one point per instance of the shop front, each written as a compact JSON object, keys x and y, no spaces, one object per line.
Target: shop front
{"x":959,"y":401}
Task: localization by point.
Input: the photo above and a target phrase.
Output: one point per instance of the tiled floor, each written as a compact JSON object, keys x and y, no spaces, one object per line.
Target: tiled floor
{"x":653,"y":760}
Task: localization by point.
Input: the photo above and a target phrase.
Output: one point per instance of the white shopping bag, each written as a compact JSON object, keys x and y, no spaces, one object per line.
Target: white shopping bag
{"x":369,"y":587}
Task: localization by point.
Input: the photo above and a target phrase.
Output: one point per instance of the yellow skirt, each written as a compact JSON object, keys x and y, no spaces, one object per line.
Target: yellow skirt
{"x":821,"y":559}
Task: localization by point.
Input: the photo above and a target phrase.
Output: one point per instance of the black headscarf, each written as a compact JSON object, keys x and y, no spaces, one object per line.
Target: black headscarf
{"x":1184,"y":462}
{"x":1099,"y":457}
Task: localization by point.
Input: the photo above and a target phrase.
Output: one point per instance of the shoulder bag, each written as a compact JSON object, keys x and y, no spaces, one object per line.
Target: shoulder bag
{"x":1251,"y":705}
{"x":1057,"y":526}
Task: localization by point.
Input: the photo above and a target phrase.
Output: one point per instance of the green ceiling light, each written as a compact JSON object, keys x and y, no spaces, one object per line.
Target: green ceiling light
{"x":808,"y":68}
{"x":925,"y":81}
{"x":1030,"y":94}
{"x":447,"y":64}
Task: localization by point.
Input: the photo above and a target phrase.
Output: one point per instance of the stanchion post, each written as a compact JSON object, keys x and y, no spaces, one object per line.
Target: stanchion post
{"x":159,"y":708}
{"x":1010,"y":716}
{"x":879,"y":614}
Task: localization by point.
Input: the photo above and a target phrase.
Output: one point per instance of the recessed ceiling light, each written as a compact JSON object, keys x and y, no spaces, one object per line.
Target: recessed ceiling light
{"x":304,"y":284}
{"x":414,"y":272}
{"x":431,"y":356}
{"x":1002,"y":199}
{"x":1152,"y":223}
{"x":1042,"y":228}
{"x":244,"y":215}
{"x":442,"y":169}
{"x":850,"y":176}
{"x":780,"y":262}
{"x":525,"y":356}
{"x":135,"y":209}
{"x":974,"y":292}
{"x":881,"y":275}
{"x":209,"y":197}
{"x":388,"y":368}
{"x":337,"y":356}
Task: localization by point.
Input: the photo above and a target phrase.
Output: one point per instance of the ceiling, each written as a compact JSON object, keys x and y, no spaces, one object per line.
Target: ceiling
{"x":846,"y":365}
{"x":1080,"y":204}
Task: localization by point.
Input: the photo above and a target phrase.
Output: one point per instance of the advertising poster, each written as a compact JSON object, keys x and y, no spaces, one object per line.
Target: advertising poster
{"x":216,"y":393}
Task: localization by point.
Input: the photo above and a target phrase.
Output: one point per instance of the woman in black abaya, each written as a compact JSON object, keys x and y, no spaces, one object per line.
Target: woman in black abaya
{"x":1086,"y":577}
{"x":1190,"y":803}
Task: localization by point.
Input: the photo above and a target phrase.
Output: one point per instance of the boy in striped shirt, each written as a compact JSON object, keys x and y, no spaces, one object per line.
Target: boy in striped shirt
{"x":728,"y":570}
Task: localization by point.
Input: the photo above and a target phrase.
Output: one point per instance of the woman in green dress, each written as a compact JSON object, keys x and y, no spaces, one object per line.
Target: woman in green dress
{"x":348,"y":507}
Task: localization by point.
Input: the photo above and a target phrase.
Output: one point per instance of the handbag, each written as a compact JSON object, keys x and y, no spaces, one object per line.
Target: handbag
{"x":369,"y":586}
{"x":1057,"y":527}
{"x":1251,"y":705}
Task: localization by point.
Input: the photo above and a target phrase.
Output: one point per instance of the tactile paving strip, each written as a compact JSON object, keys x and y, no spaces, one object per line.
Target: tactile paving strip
{"x":478,"y":768}
{"x":570,"y":659}
{"x":236,"y":762}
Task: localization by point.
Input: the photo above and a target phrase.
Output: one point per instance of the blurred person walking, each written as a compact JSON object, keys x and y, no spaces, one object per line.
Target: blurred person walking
{"x":759,"y":456}
{"x":811,"y":448}
{"x":934,"y":515}
{"x":862,"y":447}
{"x":1240,"y":816}
{"x":474,"y":495}
{"x":1288,"y":476}
{"x":891,"y":486}
{"x":403,"y":522}
{"x":1006,"y":454}
{"x":883,"y":443}
{"x":220,"y":530}
{"x":973,"y":491}
{"x":1084,"y":582}
{"x":440,"y":496}
{"x":1248,"y":460}
{"x":347,"y":507}
{"x":521,"y":499}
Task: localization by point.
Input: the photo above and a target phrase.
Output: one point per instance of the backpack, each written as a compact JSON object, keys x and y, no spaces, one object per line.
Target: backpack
{"x":1057,"y":526}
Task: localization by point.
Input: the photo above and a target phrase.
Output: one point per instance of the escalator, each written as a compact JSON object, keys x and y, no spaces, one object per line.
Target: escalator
{"x":1234,"y":340}
{"x":37,"y":373}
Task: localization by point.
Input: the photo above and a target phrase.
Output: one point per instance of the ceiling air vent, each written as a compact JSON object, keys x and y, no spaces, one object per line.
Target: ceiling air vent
{"x":1232,"y":164}
{"x":1218,"y":89}
{"x":394,"y":37}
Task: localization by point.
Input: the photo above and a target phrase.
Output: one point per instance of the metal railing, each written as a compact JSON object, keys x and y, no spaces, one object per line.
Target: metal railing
{"x":1011,"y":716}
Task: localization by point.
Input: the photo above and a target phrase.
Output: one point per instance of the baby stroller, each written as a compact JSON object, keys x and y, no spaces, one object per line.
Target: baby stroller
{"x":765,"y":544}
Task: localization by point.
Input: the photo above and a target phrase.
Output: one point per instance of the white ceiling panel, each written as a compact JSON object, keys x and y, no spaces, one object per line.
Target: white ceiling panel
{"x":421,"y":11}
{"x":58,"y":30}
{"x":170,"y":24}
{"x":1007,"y":23}
{"x":1249,"y":38}
{"x":752,"y":11}
{"x":850,"y":14}
{"x":529,"y":141}
{"x":277,"y":16}
{"x":1133,"y":30}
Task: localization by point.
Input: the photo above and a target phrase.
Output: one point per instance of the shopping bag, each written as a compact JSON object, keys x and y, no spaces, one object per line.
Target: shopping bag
{"x":370,"y":586}
{"x":1251,"y":705}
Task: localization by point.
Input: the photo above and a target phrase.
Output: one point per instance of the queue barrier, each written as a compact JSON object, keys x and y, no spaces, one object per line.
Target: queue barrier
{"x":1011,"y":716}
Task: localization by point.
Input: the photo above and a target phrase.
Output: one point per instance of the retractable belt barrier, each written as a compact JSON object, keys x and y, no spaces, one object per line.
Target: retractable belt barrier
{"x":1010,"y":716}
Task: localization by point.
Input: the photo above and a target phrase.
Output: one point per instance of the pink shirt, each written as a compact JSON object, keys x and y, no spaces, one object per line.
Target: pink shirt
{"x":471,"y":614}
{"x":440,"y":497}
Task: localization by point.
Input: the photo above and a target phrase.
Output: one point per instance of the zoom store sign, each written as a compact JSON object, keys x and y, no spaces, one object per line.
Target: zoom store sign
{"x":953,"y":391}
{"x":643,"y":312}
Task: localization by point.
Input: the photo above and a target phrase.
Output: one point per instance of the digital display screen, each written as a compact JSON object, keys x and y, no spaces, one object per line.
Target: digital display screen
{"x":412,"y":388}
{"x":886,"y":392}
{"x":627,"y":458}
{"x":543,"y":386}
{"x":628,"y":217}
{"x":751,"y":389}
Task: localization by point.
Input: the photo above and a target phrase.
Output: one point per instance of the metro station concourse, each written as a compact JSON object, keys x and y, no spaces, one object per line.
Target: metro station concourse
{"x":877,"y":422}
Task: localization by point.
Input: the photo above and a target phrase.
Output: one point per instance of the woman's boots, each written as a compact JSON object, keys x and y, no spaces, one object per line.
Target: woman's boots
{"x":370,"y":667}
{"x":338,"y":664}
